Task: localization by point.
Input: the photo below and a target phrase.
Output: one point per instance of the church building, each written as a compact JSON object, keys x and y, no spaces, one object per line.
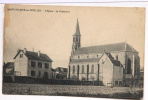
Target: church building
{"x":110,"y":64}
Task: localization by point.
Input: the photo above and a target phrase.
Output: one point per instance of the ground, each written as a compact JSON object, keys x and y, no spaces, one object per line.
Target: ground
{"x":72,"y":90}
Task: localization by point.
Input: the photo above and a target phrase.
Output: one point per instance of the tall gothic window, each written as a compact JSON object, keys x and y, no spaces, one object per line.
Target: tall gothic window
{"x":78,"y":70}
{"x":92,"y":68}
{"x":87,"y":72}
{"x":82,"y":68}
{"x":73,"y":69}
{"x":128,"y":66}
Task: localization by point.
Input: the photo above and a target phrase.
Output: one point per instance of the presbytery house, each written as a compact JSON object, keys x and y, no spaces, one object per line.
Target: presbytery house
{"x":32,"y":64}
{"x":111,"y":64}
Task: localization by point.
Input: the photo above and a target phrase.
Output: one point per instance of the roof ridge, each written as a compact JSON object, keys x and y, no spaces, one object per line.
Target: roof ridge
{"x":35,"y":52}
{"x":102,"y":45}
{"x":34,"y":55}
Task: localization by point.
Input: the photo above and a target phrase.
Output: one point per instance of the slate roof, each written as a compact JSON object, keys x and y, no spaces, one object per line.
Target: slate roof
{"x":116,"y":62}
{"x":108,"y":48}
{"x":34,"y":55}
{"x":61,"y":69}
{"x":53,"y":70}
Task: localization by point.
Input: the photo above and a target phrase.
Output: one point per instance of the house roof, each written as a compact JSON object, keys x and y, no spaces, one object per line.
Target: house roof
{"x":53,"y":70}
{"x":61,"y":69}
{"x":108,"y":48}
{"x":114,"y":62}
{"x":34,"y":55}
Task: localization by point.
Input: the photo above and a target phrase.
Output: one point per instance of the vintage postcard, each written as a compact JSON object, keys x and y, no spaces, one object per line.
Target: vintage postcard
{"x":74,"y":51}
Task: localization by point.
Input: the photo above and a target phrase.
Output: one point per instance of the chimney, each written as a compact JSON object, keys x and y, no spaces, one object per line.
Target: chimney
{"x":18,"y":50}
{"x":39,"y":53}
{"x":25,"y":50}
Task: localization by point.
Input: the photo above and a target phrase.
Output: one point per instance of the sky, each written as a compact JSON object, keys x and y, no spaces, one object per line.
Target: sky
{"x":51,"y":32}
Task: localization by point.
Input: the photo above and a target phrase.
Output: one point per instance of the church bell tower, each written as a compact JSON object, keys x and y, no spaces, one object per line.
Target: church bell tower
{"x":76,"y":39}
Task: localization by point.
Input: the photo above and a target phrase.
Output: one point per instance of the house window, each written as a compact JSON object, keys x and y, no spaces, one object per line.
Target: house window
{"x":116,"y":82}
{"x":32,"y":73}
{"x":92,"y":68}
{"x":39,"y":74}
{"x":33,"y":64}
{"x":73,"y":69}
{"x":21,"y":55}
{"x":82,"y":68}
{"x":116,"y":57}
{"x":46,"y":65}
{"x":45,"y":74}
{"x":120,"y":83}
{"x":39,"y":64}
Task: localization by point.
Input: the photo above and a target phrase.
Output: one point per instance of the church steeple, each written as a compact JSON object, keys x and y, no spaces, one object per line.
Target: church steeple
{"x":77,"y":29}
{"x":76,"y":39}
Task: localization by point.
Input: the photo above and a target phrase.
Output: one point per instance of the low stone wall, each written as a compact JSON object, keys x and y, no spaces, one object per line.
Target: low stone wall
{"x":71,"y":90}
{"x":30,"y":80}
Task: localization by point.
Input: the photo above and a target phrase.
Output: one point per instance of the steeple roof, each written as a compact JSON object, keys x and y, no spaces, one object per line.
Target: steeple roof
{"x":77,"y":29}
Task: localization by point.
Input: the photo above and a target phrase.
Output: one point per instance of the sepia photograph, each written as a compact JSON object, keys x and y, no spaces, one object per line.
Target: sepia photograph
{"x":78,"y":51}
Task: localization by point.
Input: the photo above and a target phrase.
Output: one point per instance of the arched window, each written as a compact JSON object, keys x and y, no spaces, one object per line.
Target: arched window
{"x":73,"y":39}
{"x":92,"y":68}
{"x":87,"y":72}
{"x":78,"y":71}
{"x":128,"y":66}
{"x":76,"y":39}
{"x":82,"y":68}
{"x":73,"y":69}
